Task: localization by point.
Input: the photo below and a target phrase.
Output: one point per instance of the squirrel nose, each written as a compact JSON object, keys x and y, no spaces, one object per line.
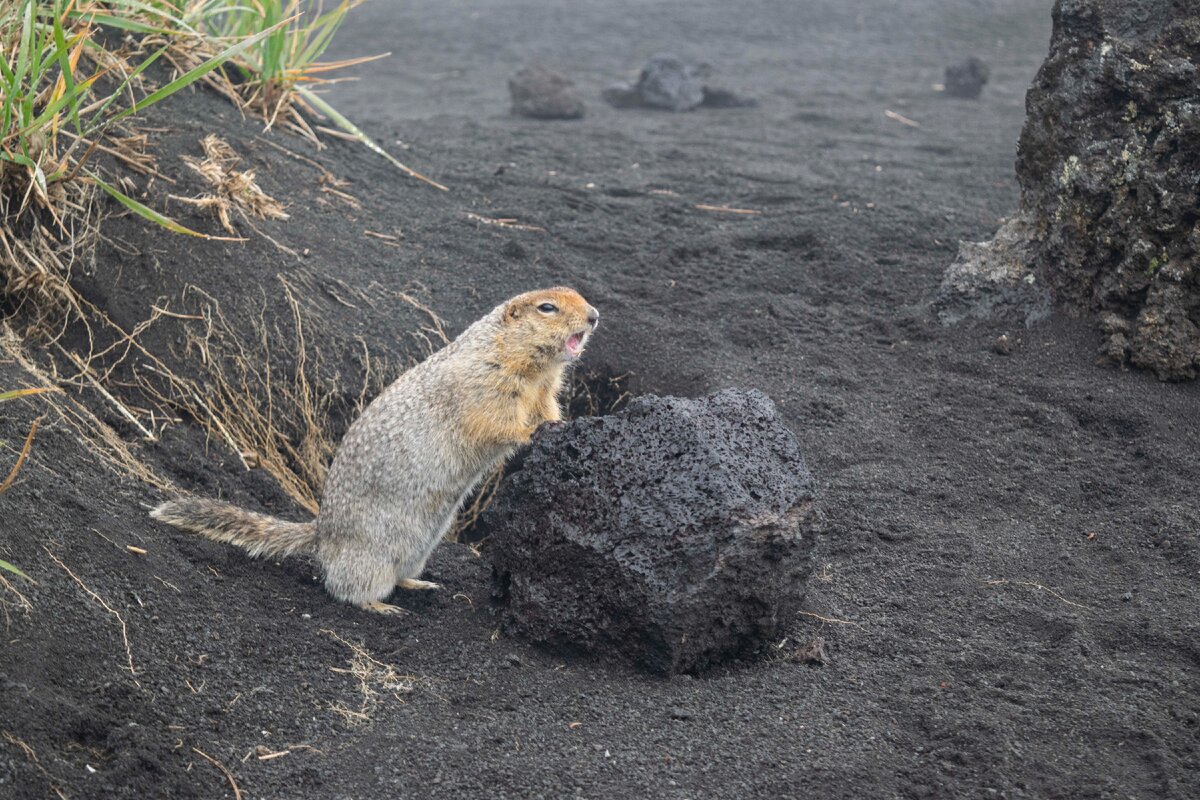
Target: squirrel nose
{"x":593,"y":317}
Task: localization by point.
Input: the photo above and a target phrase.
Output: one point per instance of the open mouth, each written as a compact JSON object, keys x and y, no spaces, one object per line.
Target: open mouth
{"x":574,"y":345}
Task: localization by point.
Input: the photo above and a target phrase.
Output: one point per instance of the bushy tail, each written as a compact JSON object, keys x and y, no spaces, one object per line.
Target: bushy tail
{"x":259,"y":534}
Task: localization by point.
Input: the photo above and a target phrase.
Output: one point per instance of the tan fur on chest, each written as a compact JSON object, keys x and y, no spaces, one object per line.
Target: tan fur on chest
{"x":512,"y":407}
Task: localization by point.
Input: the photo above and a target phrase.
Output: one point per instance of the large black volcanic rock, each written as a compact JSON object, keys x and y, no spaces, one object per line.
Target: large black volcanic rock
{"x":672,"y":535}
{"x":1109,"y":166}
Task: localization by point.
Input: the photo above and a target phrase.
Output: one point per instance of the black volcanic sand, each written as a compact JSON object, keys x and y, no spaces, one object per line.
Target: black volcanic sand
{"x":987,"y":644}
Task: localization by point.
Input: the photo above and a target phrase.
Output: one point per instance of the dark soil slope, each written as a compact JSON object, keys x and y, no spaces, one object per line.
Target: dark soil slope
{"x":1007,"y":562}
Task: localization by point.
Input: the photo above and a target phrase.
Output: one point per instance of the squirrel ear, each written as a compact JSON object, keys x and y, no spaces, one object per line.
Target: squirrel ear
{"x":513,"y":311}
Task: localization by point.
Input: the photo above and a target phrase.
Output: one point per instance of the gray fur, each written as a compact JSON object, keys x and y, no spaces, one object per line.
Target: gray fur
{"x":402,"y":471}
{"x":395,"y":486}
{"x":259,"y":534}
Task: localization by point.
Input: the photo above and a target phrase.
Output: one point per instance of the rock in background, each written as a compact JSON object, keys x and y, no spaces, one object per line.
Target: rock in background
{"x":1109,"y":167}
{"x":672,"y":535}
{"x":966,"y":78}
{"x":544,"y":94}
{"x":672,"y":84}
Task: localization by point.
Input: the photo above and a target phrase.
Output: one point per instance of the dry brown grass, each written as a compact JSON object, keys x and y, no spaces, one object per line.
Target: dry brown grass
{"x":103,"y":604}
{"x":92,"y":433}
{"x":273,"y":419}
{"x":375,"y":679}
{"x":32,"y":757}
{"x":12,"y":596}
{"x":36,"y":264}
{"x":233,"y":190}
{"x":593,"y":394}
{"x":476,"y":504}
{"x":276,"y":423}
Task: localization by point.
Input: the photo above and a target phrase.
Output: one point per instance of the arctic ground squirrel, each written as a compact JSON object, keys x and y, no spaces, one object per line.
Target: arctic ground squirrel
{"x":408,"y":462}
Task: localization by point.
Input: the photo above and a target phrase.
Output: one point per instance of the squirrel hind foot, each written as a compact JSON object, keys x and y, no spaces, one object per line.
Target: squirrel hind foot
{"x":379,"y":607}
{"x":413,"y":583}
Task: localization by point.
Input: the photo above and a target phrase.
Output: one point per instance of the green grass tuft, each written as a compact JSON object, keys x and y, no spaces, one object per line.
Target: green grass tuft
{"x":54,"y":115}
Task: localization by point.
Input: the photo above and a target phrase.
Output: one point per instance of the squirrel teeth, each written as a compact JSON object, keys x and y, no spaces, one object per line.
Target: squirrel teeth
{"x":574,"y":345}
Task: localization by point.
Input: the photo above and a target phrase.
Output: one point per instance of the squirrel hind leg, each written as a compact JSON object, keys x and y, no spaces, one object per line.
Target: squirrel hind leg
{"x":382,"y":608}
{"x":360,"y":579}
{"x":413,"y":583}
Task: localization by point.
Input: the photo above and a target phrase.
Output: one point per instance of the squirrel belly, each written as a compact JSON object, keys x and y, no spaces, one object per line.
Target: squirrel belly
{"x":407,"y":463}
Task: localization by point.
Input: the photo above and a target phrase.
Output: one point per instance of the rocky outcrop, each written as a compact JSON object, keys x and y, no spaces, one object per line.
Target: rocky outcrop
{"x":1109,"y":167}
{"x":993,"y":278}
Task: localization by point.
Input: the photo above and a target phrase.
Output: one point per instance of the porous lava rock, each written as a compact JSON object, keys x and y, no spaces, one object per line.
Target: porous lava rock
{"x":966,"y":78}
{"x":1109,"y":167}
{"x":673,"y":535}
{"x":541,"y":93}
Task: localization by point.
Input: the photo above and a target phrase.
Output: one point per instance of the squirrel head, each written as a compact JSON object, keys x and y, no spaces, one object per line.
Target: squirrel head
{"x":545,"y":328}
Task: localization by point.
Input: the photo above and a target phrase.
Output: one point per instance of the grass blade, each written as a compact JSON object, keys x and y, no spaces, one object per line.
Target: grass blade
{"x":66,"y":68}
{"x":195,"y":74}
{"x":325,"y":26}
{"x":50,"y":110}
{"x":150,"y":214}
{"x":12,"y":475}
{"x":130,"y":9}
{"x":11,"y":568}
{"x":15,"y":393}
{"x":355,"y":131}
{"x":22,"y":66}
{"x":129,"y":79}
{"x":133,"y":26}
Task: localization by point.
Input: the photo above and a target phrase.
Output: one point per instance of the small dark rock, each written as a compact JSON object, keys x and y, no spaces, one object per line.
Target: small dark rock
{"x":966,"y":78}
{"x":1127,"y":597}
{"x":680,"y":713}
{"x":543,"y":94}
{"x":673,"y":534}
{"x":514,"y":250}
{"x":670,"y":83}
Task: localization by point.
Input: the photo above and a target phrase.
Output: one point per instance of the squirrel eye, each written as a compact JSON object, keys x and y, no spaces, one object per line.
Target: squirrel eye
{"x":547,"y":308}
